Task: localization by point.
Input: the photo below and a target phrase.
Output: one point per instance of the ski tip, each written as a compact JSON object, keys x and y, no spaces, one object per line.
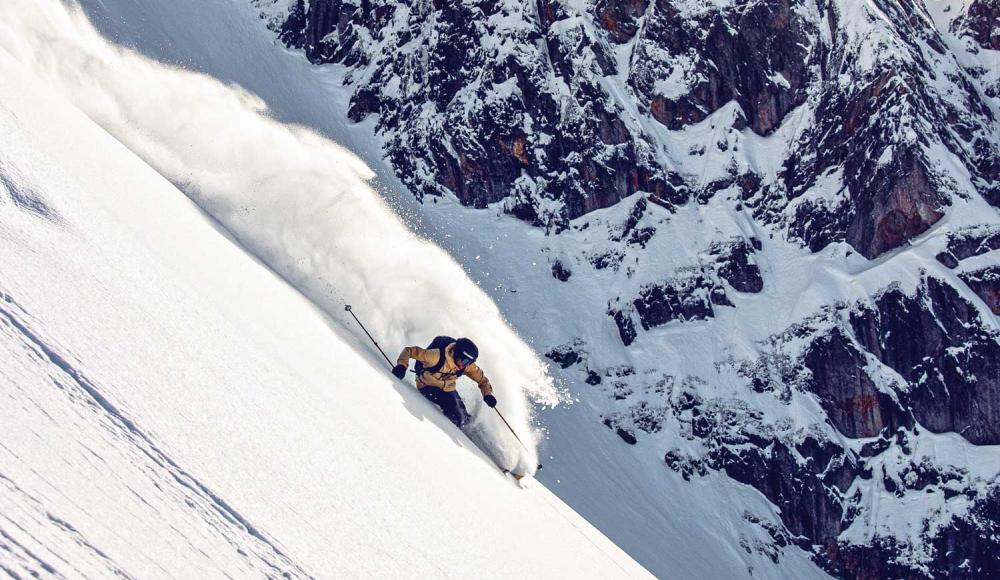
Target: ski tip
{"x":520,"y":476}
{"x":516,"y":476}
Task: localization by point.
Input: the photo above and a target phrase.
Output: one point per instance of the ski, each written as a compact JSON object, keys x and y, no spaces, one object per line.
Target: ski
{"x":517,"y":476}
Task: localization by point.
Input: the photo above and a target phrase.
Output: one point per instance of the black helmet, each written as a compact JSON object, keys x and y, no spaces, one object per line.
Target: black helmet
{"x":467,"y":350}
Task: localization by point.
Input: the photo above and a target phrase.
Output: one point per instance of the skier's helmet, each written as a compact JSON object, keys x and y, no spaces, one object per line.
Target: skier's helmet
{"x":466,"y":352}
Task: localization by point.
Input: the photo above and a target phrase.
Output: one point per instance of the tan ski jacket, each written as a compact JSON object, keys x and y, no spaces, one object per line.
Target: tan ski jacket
{"x":447,"y":376}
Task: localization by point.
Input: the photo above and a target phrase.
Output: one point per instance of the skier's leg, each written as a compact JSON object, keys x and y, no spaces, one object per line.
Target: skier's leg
{"x":459,"y":411}
{"x":449,"y":403}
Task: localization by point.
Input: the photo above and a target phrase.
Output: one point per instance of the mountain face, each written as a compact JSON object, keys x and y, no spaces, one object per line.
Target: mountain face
{"x":703,"y":159}
{"x":558,"y":110}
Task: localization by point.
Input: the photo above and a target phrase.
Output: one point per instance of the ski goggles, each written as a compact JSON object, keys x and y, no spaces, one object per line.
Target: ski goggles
{"x":465,"y":360}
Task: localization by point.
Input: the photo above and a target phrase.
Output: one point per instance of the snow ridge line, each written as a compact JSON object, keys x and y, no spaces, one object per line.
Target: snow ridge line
{"x":146,"y":445}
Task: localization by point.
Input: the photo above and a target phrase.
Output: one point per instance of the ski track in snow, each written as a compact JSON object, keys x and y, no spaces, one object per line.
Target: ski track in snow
{"x":86,"y":400}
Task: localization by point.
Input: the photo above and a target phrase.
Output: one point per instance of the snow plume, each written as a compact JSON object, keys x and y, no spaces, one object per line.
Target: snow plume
{"x":298,"y":201}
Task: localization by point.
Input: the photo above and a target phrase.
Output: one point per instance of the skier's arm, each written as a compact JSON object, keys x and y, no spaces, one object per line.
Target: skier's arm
{"x":475,"y":373}
{"x":426,"y":357}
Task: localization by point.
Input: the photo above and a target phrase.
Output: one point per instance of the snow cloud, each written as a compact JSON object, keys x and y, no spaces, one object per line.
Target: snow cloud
{"x":295,"y":199}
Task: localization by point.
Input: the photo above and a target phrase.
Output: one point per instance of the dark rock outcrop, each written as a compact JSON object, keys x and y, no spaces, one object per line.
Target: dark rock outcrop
{"x":754,"y":54}
{"x":948,"y":259}
{"x":878,"y":185}
{"x":894,"y":202}
{"x":936,"y":341}
{"x":627,"y":435}
{"x":974,"y":241}
{"x":679,"y":299}
{"x":566,"y":355}
{"x":623,"y":320}
{"x":969,"y":547}
{"x":630,"y":232}
{"x":809,"y":494}
{"x":985,"y":283}
{"x":735,"y":265}
{"x":560,"y":271}
{"x":856,"y":407}
{"x":982,"y":22}
{"x":620,"y":18}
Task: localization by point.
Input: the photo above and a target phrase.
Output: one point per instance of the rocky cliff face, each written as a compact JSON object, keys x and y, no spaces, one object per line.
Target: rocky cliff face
{"x":881,"y":390}
{"x":504,"y":99}
{"x":557,"y":110}
{"x":981,"y":21}
{"x":750,"y":159}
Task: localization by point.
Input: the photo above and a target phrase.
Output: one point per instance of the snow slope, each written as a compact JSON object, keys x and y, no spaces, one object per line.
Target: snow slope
{"x":174,"y":409}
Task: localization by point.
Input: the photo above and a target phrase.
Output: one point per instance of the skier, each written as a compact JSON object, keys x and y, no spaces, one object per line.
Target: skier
{"x":438,"y":368}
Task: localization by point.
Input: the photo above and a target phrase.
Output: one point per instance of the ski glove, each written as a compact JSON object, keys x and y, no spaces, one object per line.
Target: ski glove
{"x":399,"y":371}
{"x":490,"y":400}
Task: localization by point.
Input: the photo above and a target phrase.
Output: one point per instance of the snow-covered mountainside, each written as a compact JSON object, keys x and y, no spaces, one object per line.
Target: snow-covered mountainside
{"x":757,"y":241}
{"x":776,"y":223}
{"x":173,"y":408}
{"x":842,"y":121}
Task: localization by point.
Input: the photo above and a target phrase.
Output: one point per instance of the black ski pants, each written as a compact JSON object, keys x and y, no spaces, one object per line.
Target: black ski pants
{"x":449,"y":403}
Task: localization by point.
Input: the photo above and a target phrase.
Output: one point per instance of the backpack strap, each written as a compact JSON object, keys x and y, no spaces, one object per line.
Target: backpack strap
{"x":440,"y":363}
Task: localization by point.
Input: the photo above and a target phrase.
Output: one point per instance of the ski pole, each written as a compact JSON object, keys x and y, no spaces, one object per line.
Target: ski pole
{"x":348,"y":309}
{"x":515,"y":434}
{"x":511,"y":430}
